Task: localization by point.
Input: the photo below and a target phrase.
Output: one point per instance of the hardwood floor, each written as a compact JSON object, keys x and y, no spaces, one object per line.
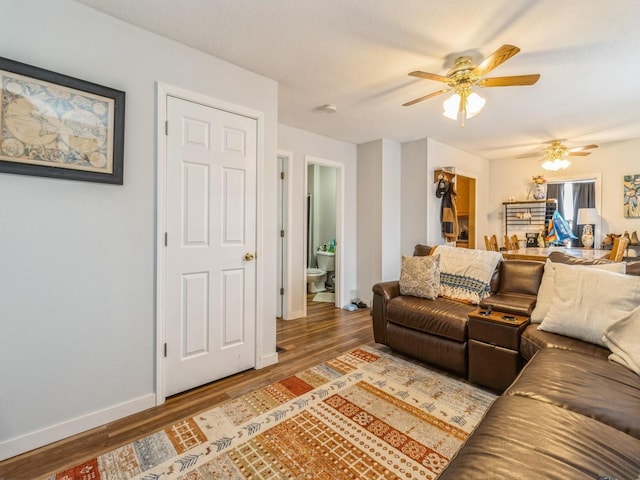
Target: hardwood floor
{"x":325,"y":333}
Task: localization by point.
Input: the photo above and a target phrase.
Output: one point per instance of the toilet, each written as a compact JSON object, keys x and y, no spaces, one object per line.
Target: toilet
{"x":317,"y":277}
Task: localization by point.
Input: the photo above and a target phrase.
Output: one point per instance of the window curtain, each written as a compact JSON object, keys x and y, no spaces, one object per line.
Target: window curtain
{"x":584,"y":196}
{"x":556,"y":190}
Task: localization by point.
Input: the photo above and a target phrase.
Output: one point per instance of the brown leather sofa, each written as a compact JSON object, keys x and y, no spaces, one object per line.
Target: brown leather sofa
{"x":436,"y":331}
{"x":570,"y":414}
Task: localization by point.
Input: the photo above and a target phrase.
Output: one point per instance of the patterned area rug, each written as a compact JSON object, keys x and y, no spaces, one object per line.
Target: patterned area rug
{"x":363,"y":415}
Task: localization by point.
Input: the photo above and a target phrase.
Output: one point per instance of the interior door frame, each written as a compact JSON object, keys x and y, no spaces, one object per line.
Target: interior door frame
{"x":285,"y":207}
{"x":163,"y":91}
{"x":339,"y":257}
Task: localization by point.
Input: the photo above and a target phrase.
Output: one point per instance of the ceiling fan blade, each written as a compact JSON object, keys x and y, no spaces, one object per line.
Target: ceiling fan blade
{"x":509,"y":81}
{"x":430,"y":76}
{"x":498,"y":57}
{"x":586,"y":147}
{"x":579,"y":154}
{"x":529,"y":155}
{"x":426,"y":97}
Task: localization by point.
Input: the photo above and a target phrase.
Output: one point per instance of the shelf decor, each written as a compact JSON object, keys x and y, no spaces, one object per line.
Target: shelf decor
{"x":58,"y":126}
{"x":539,"y":187}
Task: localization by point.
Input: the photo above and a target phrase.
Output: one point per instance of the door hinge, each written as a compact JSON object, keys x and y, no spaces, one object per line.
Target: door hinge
{"x":282,"y":291}
{"x":166,"y":127}
{"x":282,"y":233}
{"x":282,"y":175}
{"x":166,"y":239}
{"x":165,"y":350}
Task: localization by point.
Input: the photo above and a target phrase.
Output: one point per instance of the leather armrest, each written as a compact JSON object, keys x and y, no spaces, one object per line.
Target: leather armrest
{"x":382,"y":293}
{"x":519,"y":304}
{"x":387,"y":290}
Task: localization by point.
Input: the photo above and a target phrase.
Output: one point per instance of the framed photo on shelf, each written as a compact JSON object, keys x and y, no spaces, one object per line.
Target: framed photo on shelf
{"x":54,"y":125}
{"x":532,"y":239}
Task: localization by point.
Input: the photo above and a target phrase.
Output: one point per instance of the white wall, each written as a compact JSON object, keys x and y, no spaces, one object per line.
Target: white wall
{"x":326,"y":193}
{"x":416,"y":191}
{"x":379,"y":204}
{"x":611,"y":161}
{"x":369,"y":216}
{"x":441,"y":155}
{"x":302,"y":143}
{"x":391,"y":209}
{"x":77,"y":259}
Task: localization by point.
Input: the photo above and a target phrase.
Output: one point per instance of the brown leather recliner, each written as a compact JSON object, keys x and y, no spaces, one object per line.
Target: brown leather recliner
{"x":435,"y":331}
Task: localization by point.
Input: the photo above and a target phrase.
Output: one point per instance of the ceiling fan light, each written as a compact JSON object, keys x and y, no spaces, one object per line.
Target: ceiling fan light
{"x":556,"y":164}
{"x":451,"y":106}
{"x":475,"y":103}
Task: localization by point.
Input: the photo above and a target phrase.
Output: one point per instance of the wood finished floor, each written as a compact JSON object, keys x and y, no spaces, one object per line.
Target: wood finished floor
{"x":324,"y":333}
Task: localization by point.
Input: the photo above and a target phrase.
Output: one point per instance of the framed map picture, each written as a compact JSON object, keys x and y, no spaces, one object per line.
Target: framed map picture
{"x":53,"y":125}
{"x":632,"y":196}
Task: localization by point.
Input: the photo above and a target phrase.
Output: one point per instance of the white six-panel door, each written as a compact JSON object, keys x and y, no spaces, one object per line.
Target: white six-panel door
{"x":211,"y":244}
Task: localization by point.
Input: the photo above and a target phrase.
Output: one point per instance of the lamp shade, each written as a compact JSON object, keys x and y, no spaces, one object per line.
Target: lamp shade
{"x":587,"y":216}
{"x":556,"y":164}
{"x":474,"y":103}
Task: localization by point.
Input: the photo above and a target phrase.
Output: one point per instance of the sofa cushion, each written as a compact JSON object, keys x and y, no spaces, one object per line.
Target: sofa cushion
{"x":420,"y":276}
{"x":545,"y":292}
{"x":421,"y":250}
{"x":623,"y":339}
{"x":533,"y":340}
{"x":524,"y":438}
{"x":521,"y":276}
{"x":588,"y":385}
{"x":586,"y":301}
{"x":442,"y":316}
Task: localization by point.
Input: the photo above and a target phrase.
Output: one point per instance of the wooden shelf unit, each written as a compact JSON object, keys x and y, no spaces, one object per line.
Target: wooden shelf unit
{"x":528,"y":215}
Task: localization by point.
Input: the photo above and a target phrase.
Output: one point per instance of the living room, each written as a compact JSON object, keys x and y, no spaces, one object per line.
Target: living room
{"x":79,"y":299}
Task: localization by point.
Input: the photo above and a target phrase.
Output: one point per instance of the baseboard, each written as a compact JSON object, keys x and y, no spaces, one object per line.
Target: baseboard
{"x":294,"y":315}
{"x":16,"y":446}
{"x":267,"y":360}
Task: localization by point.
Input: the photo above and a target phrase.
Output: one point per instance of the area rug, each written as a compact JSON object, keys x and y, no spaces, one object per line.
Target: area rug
{"x":324,"y":297}
{"x":363,"y":415}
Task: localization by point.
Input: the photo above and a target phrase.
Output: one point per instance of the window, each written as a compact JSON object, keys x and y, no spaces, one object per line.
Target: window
{"x":571,"y":196}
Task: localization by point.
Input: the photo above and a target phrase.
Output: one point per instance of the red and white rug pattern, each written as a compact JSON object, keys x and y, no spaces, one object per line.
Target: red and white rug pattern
{"x":363,"y":415}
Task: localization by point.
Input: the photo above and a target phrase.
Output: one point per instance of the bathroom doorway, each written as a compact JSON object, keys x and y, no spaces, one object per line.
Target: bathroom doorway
{"x":323,"y":230}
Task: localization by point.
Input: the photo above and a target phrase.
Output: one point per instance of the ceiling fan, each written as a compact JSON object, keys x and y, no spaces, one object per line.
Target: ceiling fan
{"x":555,"y":154}
{"x":465,"y":75}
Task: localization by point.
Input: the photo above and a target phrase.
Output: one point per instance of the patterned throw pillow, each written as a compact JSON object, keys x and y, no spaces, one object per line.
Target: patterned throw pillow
{"x":420,"y":276}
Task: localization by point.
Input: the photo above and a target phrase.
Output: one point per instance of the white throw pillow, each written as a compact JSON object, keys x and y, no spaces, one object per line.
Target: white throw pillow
{"x":420,"y":276}
{"x":545,"y":292}
{"x":587,"y":300}
{"x":623,"y":339}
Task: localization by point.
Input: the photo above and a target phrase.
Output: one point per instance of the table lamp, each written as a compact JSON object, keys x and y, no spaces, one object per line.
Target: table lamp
{"x":587,"y":217}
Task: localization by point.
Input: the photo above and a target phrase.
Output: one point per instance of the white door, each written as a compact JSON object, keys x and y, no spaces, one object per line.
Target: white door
{"x":211,"y":243}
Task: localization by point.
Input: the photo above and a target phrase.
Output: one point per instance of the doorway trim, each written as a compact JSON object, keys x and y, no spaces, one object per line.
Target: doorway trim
{"x":285,"y":257}
{"x":339,"y":258}
{"x":163,"y":91}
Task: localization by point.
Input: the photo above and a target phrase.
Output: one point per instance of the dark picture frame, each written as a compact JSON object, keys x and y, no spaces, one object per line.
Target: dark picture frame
{"x":54,"y":125}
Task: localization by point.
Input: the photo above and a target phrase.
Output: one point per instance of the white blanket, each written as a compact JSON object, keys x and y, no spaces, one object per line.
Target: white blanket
{"x":465,"y":274}
{"x":623,"y":339}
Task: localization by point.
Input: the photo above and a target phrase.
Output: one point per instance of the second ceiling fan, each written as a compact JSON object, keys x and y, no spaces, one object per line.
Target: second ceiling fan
{"x":464,"y":75}
{"x":555,"y":155}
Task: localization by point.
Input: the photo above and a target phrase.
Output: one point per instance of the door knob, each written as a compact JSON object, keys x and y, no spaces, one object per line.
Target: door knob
{"x":248,"y":256}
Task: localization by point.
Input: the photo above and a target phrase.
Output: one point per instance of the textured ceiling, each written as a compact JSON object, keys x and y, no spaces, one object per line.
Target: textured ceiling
{"x":356,"y":54}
